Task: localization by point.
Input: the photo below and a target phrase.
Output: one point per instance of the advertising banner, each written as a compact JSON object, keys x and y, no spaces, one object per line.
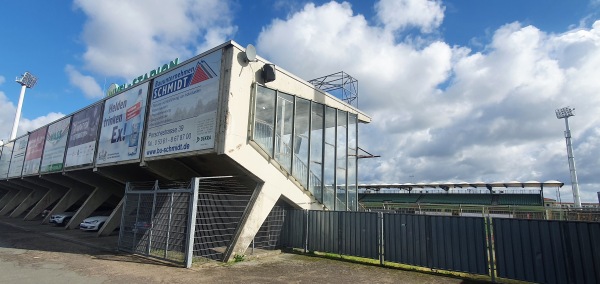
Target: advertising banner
{"x":18,"y":156}
{"x":183,"y":108}
{"x":56,"y":143}
{"x":82,"y":140}
{"x":122,"y":124}
{"x":5,"y":159}
{"x":33,"y":155}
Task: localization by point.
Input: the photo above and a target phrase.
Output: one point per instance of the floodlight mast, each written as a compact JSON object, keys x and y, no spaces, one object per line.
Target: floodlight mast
{"x":26,"y":81}
{"x":561,"y":113}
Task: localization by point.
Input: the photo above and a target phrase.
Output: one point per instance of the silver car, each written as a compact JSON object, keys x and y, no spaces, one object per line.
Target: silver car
{"x":93,"y":223}
{"x":61,"y":219}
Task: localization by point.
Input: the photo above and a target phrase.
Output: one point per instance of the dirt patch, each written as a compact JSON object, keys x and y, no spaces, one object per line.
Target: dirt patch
{"x":29,"y":256}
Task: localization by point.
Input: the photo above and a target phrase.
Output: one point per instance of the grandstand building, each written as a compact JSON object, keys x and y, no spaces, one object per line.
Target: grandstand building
{"x":246,"y":136}
{"x":411,"y":197}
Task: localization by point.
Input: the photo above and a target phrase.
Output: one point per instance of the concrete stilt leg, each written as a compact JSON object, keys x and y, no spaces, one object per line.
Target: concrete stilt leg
{"x":114,"y":220}
{"x":67,"y":201}
{"x":31,"y":199}
{"x":98,"y":196}
{"x":13,"y":203}
{"x":250,"y":224}
{"x":7,"y":197}
{"x":50,"y":197}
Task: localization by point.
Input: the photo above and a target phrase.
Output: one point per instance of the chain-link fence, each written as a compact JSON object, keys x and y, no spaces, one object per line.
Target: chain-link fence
{"x":221,"y":204}
{"x":156,"y":219}
{"x":268,"y":236}
{"x":217,"y":220}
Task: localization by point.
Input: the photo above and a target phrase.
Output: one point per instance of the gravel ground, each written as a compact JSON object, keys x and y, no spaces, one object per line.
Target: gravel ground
{"x":34,"y":257}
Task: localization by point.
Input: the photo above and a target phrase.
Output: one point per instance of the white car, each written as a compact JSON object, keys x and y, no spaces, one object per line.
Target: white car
{"x":93,"y":223}
{"x":61,"y":219}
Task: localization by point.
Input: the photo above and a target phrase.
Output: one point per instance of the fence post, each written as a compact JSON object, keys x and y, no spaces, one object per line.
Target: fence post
{"x":149,"y":248}
{"x":137,"y":217}
{"x":191,"y":223}
{"x":169,"y":223}
{"x":380,"y":238}
{"x":122,"y":224}
{"x":305,"y":235}
{"x":340,"y":219}
{"x":490,"y":243}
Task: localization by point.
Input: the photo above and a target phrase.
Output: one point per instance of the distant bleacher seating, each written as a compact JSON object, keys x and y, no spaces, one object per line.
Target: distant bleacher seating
{"x":443,"y":198}
{"x":519,"y":199}
{"x":389,"y":197}
{"x":378,"y":199}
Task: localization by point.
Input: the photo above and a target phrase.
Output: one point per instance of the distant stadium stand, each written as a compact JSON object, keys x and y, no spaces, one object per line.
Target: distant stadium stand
{"x":377,"y":200}
{"x":445,"y":198}
{"x":520,"y":199}
{"x":371,"y":200}
{"x":512,"y":193}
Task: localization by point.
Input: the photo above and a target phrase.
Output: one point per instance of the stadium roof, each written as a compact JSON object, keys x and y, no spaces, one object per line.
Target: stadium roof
{"x":449,"y":185}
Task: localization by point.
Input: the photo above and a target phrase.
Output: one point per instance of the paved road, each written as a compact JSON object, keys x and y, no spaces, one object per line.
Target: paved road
{"x":33,"y":257}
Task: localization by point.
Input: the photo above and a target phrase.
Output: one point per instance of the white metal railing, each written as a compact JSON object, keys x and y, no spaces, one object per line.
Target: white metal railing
{"x":263,"y":135}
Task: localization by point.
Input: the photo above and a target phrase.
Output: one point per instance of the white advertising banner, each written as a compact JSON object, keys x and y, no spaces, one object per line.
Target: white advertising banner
{"x":18,"y":156}
{"x":33,"y":155}
{"x":82,"y":140}
{"x":56,"y":143}
{"x":122,"y":124}
{"x":183,"y":108}
{"x":5,"y":159}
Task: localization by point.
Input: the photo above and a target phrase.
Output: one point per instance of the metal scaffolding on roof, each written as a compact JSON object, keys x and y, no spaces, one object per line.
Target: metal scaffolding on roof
{"x":341,"y":85}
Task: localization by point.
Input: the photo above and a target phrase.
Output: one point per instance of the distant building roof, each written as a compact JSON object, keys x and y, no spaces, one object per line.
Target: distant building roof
{"x":448,"y":185}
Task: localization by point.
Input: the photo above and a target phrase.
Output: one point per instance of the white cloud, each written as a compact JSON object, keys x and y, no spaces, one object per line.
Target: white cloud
{"x":7,"y":116}
{"x":426,"y":15}
{"x":2,"y":80}
{"x":86,"y":84}
{"x":444,"y":113}
{"x":33,"y":124}
{"x":127,"y":38}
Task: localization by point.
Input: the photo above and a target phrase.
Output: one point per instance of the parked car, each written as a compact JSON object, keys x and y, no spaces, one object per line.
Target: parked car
{"x":61,"y":219}
{"x":45,"y":213}
{"x":93,"y":223}
{"x":141,"y":227}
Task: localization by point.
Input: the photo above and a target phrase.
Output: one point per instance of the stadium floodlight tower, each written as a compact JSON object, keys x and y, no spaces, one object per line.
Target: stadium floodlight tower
{"x":26,"y":81}
{"x":561,"y":113}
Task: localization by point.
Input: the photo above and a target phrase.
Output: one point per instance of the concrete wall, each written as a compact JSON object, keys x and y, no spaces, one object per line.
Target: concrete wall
{"x":234,"y":142}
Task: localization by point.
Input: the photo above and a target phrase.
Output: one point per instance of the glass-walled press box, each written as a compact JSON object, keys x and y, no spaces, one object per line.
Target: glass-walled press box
{"x":316,"y":143}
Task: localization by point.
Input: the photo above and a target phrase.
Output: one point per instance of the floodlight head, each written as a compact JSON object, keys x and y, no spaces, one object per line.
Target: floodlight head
{"x":564,"y":112}
{"x":27,"y":80}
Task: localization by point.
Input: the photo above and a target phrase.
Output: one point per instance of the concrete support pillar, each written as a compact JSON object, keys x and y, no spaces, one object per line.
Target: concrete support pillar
{"x":15,"y":201}
{"x":114,"y":220}
{"x":261,"y":204}
{"x":66,"y":201}
{"x":50,"y":197}
{"x":42,"y":202}
{"x":31,"y":199}
{"x":98,"y":196}
{"x":7,"y":197}
{"x":276,"y":186}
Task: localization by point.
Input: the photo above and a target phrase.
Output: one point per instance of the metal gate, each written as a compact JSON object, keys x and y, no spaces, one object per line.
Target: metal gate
{"x":155,"y":220}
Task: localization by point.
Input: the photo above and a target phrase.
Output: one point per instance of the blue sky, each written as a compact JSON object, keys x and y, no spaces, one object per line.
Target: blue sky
{"x":474,"y":83}
{"x":43,"y":36}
